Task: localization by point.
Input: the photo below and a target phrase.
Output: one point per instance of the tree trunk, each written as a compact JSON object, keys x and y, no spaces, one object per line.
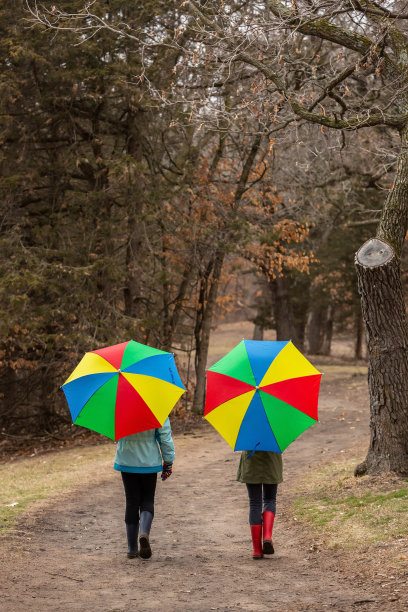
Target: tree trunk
{"x":132,"y":291}
{"x":385,"y":318}
{"x":283,"y":311}
{"x":384,"y":313}
{"x":258,"y":333}
{"x":205,"y":313}
{"x":209,"y":285}
{"x":359,"y":327}
{"x":319,"y":330}
{"x":314,"y":329}
{"x":327,"y":330}
{"x":263,"y":304}
{"x":178,"y":304}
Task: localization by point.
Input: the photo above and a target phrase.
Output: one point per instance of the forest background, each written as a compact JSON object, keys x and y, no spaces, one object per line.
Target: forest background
{"x":151,"y":187}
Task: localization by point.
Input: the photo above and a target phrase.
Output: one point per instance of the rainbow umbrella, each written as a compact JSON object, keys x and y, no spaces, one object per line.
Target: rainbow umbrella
{"x":262,"y":395}
{"x":123,"y":389}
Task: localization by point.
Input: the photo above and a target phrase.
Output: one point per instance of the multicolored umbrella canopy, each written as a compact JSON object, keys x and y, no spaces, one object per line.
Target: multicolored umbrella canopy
{"x":123,"y":389}
{"x":262,"y":395}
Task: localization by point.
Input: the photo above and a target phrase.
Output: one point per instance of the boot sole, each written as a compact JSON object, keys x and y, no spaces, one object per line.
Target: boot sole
{"x":145,"y":551}
{"x":132,"y":555}
{"x":267,"y":548}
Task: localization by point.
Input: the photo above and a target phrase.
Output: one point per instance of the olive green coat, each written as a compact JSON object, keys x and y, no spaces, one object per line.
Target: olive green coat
{"x":262,"y":467}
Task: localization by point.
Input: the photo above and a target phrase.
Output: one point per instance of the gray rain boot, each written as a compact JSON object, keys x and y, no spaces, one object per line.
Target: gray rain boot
{"x":132,"y":531}
{"x":145,"y":525}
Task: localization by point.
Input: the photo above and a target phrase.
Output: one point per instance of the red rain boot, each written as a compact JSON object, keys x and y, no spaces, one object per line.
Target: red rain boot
{"x":268,"y":517}
{"x":256,"y":532}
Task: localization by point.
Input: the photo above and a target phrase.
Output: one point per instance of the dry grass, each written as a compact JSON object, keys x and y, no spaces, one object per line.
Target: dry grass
{"x":30,"y":482}
{"x":355,"y":513}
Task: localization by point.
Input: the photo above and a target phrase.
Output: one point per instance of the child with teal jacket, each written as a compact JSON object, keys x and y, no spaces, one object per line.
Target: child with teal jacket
{"x":139,"y":458}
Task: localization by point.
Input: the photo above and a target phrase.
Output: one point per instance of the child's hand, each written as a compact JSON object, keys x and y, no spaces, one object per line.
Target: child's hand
{"x":167,"y":470}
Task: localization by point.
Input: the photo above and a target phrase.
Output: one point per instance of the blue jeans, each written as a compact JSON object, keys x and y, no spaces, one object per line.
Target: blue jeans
{"x":261,"y":497}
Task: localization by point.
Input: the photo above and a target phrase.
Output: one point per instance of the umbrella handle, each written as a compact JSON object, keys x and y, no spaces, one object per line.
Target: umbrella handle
{"x":250,"y":455}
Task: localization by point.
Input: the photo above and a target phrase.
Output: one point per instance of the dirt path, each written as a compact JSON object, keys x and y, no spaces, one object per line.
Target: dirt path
{"x":71,"y":556}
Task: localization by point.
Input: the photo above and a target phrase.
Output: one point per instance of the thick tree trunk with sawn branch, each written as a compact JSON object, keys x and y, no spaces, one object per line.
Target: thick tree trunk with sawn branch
{"x":385,"y":317}
{"x":383,"y":307}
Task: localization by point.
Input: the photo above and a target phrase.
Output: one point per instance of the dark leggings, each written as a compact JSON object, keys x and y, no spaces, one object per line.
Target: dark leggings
{"x":139,"y":491}
{"x":261,"y":497}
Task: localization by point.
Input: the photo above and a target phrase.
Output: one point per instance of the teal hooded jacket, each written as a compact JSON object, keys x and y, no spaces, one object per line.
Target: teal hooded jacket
{"x":145,"y":452}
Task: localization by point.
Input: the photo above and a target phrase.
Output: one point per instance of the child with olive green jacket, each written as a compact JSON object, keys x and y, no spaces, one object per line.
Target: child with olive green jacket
{"x":261,"y":471}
